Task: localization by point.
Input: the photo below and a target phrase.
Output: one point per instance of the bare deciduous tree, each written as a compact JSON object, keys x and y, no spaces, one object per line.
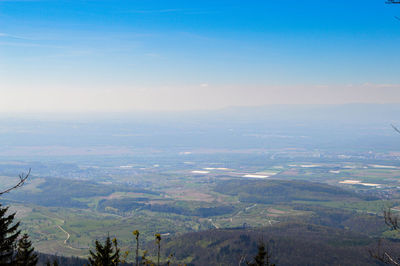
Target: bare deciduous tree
{"x":22,"y":178}
{"x":391,"y":220}
{"x":380,"y":253}
{"x":394,"y":2}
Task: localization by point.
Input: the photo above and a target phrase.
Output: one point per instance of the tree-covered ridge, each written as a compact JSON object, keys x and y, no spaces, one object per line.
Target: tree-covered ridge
{"x":60,"y":192}
{"x":289,"y":243}
{"x":281,"y":191}
{"x":176,"y":207}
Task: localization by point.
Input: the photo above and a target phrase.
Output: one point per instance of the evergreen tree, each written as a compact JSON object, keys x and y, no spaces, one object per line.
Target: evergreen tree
{"x":105,"y":254}
{"x":136,"y":234}
{"x":55,"y":263}
{"x":25,"y":254}
{"x":8,"y":236}
{"x":263,"y":257}
{"x":158,"y":242}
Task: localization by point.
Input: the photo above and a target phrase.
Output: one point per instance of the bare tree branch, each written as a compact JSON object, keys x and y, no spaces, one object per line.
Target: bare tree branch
{"x":391,"y":260}
{"x":395,"y":128}
{"x":382,"y":255}
{"x":391,"y":220}
{"x":379,"y":253}
{"x":394,"y":2}
{"x":22,"y":178}
{"x":242,"y":260}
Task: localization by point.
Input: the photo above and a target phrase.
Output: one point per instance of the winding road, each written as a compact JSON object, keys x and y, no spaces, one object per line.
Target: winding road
{"x":68,"y":235}
{"x":66,"y":240}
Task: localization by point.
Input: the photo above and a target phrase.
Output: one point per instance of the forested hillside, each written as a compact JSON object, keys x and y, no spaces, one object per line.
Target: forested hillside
{"x":289,"y":243}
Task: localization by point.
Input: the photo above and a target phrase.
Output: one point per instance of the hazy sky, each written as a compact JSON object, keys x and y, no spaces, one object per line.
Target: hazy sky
{"x":121,"y":55}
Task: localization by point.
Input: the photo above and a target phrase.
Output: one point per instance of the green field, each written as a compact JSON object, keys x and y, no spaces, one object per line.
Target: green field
{"x":65,"y":216}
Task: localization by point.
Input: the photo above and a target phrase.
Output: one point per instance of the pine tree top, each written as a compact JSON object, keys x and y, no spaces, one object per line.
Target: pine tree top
{"x":25,"y":253}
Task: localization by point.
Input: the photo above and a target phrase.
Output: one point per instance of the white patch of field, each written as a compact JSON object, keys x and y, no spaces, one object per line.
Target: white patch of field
{"x":126,"y":166}
{"x":200,"y":172}
{"x":255,"y":176}
{"x":351,"y":182}
{"x":309,"y":165}
{"x":358,"y":182}
{"x":370,"y":184}
{"x":266,"y":173}
{"x":217,"y":168}
{"x":334,"y":172}
{"x":383,"y":166}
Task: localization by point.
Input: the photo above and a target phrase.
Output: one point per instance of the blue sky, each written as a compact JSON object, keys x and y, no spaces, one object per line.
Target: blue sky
{"x":178,"y":55}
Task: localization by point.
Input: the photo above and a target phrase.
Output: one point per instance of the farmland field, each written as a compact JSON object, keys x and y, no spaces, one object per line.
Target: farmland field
{"x":64,"y":215}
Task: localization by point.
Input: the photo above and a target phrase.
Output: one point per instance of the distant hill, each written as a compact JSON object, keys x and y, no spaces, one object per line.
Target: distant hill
{"x":282,"y":191}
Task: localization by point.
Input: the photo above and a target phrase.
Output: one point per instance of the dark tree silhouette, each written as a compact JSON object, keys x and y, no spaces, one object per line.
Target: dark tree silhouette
{"x":263,"y":256}
{"x":105,"y":255}
{"x":25,"y":253}
{"x":136,"y":233}
{"x":8,"y":236}
{"x":55,"y":263}
{"x":158,"y":243}
{"x":8,"y":230}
